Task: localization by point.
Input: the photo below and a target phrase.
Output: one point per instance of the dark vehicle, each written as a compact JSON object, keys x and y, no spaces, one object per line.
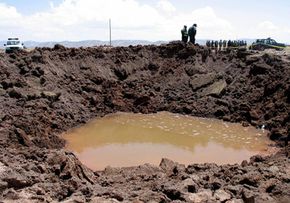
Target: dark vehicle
{"x":262,"y":44}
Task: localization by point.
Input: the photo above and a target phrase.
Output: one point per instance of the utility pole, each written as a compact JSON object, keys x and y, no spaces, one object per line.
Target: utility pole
{"x":110,"y":28}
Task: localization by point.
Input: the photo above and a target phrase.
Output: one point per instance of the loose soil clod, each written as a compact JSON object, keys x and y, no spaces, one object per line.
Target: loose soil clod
{"x":48,"y":91}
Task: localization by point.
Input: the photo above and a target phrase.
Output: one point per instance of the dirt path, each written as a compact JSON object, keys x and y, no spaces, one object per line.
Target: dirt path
{"x":48,"y":91}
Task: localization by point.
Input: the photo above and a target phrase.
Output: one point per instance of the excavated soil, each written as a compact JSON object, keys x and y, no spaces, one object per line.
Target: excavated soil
{"x":47,"y":91}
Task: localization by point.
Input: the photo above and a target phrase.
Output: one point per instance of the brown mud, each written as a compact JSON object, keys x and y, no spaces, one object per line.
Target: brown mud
{"x":47,"y":91}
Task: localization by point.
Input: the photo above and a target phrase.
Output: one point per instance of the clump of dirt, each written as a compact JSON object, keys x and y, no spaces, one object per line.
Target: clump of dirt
{"x":48,"y":91}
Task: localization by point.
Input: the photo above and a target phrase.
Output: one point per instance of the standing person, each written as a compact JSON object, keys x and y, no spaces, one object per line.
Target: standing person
{"x":184,"y":34}
{"x":212,"y":44}
{"x":216,"y":45}
{"x":208,"y":43}
{"x":220,"y":45}
{"x":229,"y":43}
{"x":192,"y":33}
{"x":225,"y":44}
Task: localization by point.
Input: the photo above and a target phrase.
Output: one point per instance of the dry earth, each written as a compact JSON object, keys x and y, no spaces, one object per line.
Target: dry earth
{"x":47,"y":91}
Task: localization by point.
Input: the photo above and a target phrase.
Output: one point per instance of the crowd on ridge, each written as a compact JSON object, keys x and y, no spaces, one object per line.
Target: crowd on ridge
{"x":223,"y":44}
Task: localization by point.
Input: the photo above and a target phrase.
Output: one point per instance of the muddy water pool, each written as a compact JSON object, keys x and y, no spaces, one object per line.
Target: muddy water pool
{"x":127,"y":139}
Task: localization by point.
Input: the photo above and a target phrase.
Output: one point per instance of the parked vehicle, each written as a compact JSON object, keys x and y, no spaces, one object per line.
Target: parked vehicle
{"x":262,"y":44}
{"x":13,"y":44}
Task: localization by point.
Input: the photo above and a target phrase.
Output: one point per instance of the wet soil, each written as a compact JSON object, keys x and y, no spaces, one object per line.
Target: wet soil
{"x":46,"y":92}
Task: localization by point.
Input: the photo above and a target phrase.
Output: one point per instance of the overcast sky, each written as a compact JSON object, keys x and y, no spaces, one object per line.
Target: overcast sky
{"x":57,"y":20}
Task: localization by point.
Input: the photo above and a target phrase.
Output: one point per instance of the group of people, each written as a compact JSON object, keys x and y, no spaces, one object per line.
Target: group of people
{"x":217,"y":45}
{"x":191,"y":33}
{"x":223,"y":44}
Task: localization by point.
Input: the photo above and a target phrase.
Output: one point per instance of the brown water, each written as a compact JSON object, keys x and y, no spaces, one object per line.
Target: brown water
{"x":124,"y":139}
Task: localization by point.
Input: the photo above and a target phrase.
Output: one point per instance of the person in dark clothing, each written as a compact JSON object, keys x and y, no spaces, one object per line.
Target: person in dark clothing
{"x":212,"y":44}
{"x":192,"y":33}
{"x":184,"y":34}
{"x":230,"y":44}
{"x":208,"y":43}
{"x":225,"y":44}
{"x":220,"y":45}
{"x":216,"y":44}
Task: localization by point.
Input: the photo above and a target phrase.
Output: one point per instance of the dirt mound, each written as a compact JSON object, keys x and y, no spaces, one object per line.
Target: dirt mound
{"x":48,"y":91}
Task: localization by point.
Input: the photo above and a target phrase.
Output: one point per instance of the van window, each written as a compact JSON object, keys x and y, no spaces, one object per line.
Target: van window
{"x":13,"y":42}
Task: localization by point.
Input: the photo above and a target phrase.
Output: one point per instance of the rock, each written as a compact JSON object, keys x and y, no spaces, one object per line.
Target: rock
{"x":276,"y":134}
{"x":203,"y":196}
{"x":38,"y":72}
{"x":195,"y":177}
{"x":75,"y":199}
{"x":201,"y":80}
{"x":103,"y":200}
{"x":153,"y":66}
{"x":251,"y":178}
{"x":270,"y":185}
{"x":185,"y":53}
{"x":94,"y":100}
{"x":67,"y":166}
{"x":273,"y":169}
{"x":215,"y":184}
{"x":259,"y":69}
{"x":252,"y":59}
{"x":171,"y":167}
{"x":52,"y":96}
{"x":11,"y":194}
{"x":244,"y":163}
{"x":3,"y":185}
{"x":15,"y":93}
{"x":265,"y":198}
{"x":59,"y":47}
{"x":172,"y":193}
{"x":16,"y":181}
{"x":254,"y":115}
{"x":32,"y":95}
{"x":6,"y":84}
{"x":42,"y":80}
{"x":257,"y":158}
{"x":37,"y":56}
{"x":2,"y":91}
{"x":142,"y":101}
{"x":167,"y":165}
{"x":2,"y":169}
{"x":22,"y":137}
{"x":235,"y":201}
{"x":192,"y":70}
{"x":248,"y":196}
{"x":215,"y":89}
{"x":188,"y":185}
{"x":222,"y":195}
{"x":220,"y":112}
{"x":121,"y":72}
{"x":24,"y":70}
{"x":242,"y":53}
{"x":234,"y":189}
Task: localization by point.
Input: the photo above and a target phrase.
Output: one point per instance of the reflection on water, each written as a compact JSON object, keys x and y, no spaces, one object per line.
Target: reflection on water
{"x":125,"y":139}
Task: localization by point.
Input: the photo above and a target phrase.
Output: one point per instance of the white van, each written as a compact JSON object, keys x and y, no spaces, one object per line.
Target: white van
{"x":13,"y":44}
